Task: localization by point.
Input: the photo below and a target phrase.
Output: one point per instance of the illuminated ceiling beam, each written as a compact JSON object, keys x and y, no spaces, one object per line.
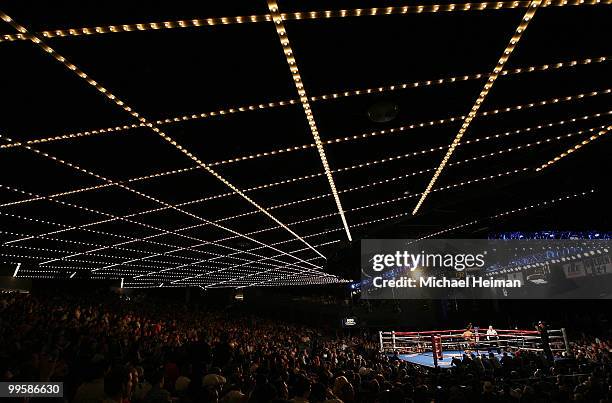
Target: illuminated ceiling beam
{"x":16,"y":269}
{"x":516,"y":37}
{"x":299,"y":85}
{"x":102,"y":90}
{"x":270,"y":105}
{"x":575,"y":147}
{"x":298,"y":15}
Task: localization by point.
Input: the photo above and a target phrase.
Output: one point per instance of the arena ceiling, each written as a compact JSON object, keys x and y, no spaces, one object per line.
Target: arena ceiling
{"x":228,"y":144}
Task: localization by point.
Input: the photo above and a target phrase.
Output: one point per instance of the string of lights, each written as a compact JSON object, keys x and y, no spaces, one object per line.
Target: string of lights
{"x":533,"y":7}
{"x":164,"y":269}
{"x":234,"y":268}
{"x":388,"y":180}
{"x":170,"y":264}
{"x":376,"y":204}
{"x":83,"y":243}
{"x":494,"y":153}
{"x":82,"y":227}
{"x":575,"y":147}
{"x":388,"y":159}
{"x":391,"y":217}
{"x":74,"y":166}
{"x":311,"y":281}
{"x":297,"y":80}
{"x":41,"y":221}
{"x":172,"y":273}
{"x":318,"y":98}
{"x":410,"y":174}
{"x":396,"y":130}
{"x":262,"y":274}
{"x":534,"y":205}
{"x":102,"y":90}
{"x":300,"y":15}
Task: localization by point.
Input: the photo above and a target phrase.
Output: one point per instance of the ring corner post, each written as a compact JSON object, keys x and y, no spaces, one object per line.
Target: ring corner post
{"x":565,"y":341}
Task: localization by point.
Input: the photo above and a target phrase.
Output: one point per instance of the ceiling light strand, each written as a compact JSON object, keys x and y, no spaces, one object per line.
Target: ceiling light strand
{"x":330,"y":96}
{"x":575,"y":147}
{"x":518,"y":34}
{"x":297,"y":79}
{"x":299,"y":15}
{"x":81,"y":74}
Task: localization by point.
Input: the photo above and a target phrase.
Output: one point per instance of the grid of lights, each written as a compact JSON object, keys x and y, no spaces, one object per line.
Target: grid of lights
{"x":253,"y":273}
{"x":576,"y":147}
{"x":365,"y":135}
{"x":395,"y":216}
{"x":537,"y":205}
{"x":533,"y":6}
{"x":388,"y":180}
{"x":476,"y":180}
{"x":335,"y":95}
{"x":495,"y":153}
{"x":237,"y":268}
{"x":36,"y":40}
{"x":300,"y":15}
{"x":295,"y":74}
{"x":363,"y":165}
{"x":410,"y":174}
{"x":72,"y":255}
{"x":199,"y":263}
{"x":157,"y":201}
{"x":161,"y":232}
{"x":155,"y":129}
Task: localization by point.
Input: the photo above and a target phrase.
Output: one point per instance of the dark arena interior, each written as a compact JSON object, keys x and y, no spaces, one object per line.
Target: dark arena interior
{"x":306,"y":201}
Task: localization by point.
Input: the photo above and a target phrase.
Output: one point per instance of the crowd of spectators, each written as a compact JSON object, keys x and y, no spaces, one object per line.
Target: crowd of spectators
{"x":121,"y":351}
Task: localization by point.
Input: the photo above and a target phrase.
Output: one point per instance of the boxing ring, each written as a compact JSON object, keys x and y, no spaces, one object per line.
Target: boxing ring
{"x":437,"y":348}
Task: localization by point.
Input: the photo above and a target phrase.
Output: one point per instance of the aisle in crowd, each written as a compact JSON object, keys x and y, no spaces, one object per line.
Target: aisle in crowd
{"x":121,"y":351}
